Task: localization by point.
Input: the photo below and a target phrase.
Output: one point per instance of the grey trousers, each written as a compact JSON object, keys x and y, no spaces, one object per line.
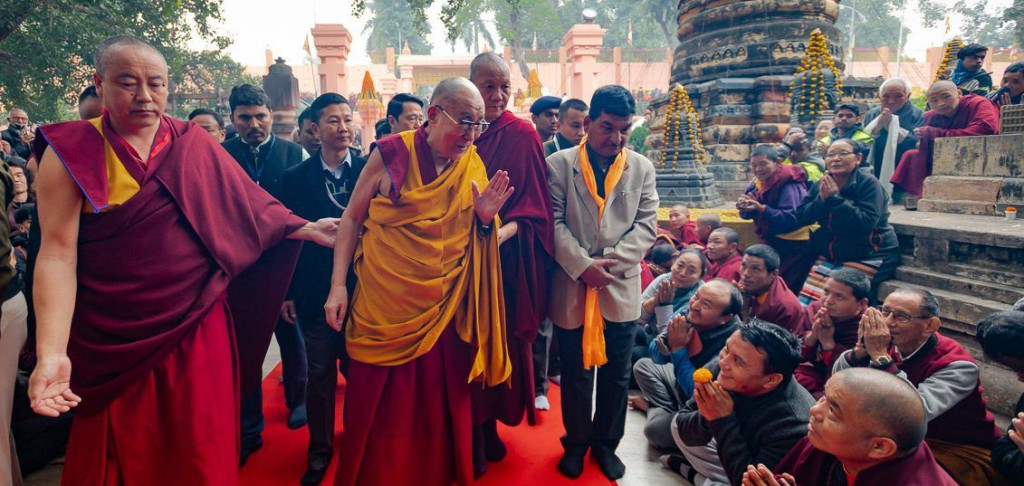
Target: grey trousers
{"x":657,"y":383}
{"x":704,"y":460}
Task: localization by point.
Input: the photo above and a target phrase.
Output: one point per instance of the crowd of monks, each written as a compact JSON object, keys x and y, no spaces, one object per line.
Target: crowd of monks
{"x":446,"y":266}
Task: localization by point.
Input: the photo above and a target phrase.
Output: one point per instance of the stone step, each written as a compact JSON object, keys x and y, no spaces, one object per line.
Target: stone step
{"x":959,"y":284}
{"x":957,"y":206}
{"x":959,"y":312}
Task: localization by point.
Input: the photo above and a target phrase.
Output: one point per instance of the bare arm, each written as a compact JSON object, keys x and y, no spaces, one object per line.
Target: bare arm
{"x":372,"y":181}
{"x":60,"y":207}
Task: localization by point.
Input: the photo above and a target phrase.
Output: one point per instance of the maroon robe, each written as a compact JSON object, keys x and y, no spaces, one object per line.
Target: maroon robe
{"x":424,"y":435}
{"x":812,"y":467}
{"x":816,"y":366}
{"x":974,"y":116}
{"x":689,"y":235}
{"x":727,"y":270}
{"x":778,"y":305}
{"x":512,"y":145}
{"x":179,"y":289}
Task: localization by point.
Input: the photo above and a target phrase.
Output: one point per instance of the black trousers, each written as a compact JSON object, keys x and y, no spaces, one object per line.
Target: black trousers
{"x":293,"y":373}
{"x":608,"y":424}
{"x":324,"y":348}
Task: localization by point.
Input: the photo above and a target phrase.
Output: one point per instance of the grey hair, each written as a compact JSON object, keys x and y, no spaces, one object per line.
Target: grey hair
{"x":486,"y":59}
{"x":107,"y":48}
{"x":892,"y":81}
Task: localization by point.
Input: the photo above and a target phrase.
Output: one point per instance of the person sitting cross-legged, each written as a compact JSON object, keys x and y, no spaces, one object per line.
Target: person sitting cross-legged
{"x":692,"y":338}
{"x":835,"y":320}
{"x":902,"y":337}
{"x":753,"y":413}
{"x":867,"y":430}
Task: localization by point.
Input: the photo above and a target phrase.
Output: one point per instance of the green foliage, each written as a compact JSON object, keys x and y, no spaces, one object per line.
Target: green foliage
{"x":393,"y":23}
{"x":47,"y":46}
{"x":1015,"y":14}
{"x":879,"y":27}
{"x":638,"y":139}
{"x":982,"y":24}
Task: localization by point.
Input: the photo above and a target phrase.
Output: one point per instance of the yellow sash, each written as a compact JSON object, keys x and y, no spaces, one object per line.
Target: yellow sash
{"x":121,"y":186}
{"x":423,"y":265}
{"x":593,"y":322}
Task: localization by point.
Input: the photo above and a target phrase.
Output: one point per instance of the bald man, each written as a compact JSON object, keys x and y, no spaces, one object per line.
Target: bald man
{"x":951,"y":115}
{"x":527,"y":246}
{"x":160,"y":277}
{"x":427,"y":318}
{"x":867,"y":430}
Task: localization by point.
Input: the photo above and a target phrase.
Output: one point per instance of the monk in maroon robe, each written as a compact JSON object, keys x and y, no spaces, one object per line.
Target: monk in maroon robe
{"x":867,"y":430}
{"x":765,"y":294}
{"x":724,"y":255}
{"x":161,"y":271}
{"x":951,"y":115}
{"x":426,"y":320}
{"x":526,"y":237}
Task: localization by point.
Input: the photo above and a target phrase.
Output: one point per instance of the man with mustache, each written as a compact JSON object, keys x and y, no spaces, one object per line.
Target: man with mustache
{"x":265,"y":157}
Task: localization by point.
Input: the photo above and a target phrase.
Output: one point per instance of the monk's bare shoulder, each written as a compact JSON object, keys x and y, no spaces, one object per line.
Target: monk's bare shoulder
{"x":375,"y":173}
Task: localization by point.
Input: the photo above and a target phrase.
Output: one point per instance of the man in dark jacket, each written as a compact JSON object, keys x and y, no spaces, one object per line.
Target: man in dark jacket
{"x":570,"y":126}
{"x":321,"y":184}
{"x":265,"y":157}
{"x":1002,"y":337}
{"x":753,"y":413}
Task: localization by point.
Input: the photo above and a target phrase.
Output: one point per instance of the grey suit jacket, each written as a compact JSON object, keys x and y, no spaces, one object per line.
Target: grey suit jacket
{"x":624,"y":234}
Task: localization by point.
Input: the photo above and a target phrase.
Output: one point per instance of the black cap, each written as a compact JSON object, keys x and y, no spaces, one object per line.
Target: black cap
{"x":545,"y":103}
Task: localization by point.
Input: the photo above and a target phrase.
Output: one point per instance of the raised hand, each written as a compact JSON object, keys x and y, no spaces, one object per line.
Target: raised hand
{"x":876,"y":333}
{"x":679,"y":333}
{"x":762,"y":476}
{"x":489,"y":202}
{"x":713,"y":401}
{"x":827,"y":187}
{"x":665,"y":292}
{"x":49,"y":387}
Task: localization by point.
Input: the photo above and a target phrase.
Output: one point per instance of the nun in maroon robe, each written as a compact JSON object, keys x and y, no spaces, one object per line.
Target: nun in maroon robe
{"x":178,"y":293}
{"x":974,"y":116}
{"x":512,"y":145}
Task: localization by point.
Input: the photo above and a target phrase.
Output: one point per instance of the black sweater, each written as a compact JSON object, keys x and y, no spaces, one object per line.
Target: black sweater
{"x":1006,"y":456}
{"x":761,"y":429}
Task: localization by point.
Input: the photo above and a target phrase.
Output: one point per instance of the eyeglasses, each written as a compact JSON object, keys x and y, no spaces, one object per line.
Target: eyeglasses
{"x":838,"y":155}
{"x":901,"y":317}
{"x":466,"y":125}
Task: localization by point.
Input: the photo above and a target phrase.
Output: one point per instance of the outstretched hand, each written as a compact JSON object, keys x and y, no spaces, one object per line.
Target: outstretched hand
{"x":489,"y":202}
{"x":49,"y":387}
{"x":325,"y":230}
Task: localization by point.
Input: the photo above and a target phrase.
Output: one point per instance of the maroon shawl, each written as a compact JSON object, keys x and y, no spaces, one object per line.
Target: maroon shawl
{"x":812,"y":467}
{"x":974,"y":116}
{"x":198,"y":230}
{"x":512,"y":145}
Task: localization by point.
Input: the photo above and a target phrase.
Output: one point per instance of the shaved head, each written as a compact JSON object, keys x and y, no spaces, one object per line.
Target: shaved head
{"x":889,"y":403}
{"x":105,"y":51}
{"x":453,"y":89}
{"x":487,"y":61}
{"x":940,"y":86}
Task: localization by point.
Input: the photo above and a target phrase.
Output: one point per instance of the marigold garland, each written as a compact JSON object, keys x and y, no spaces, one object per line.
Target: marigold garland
{"x":680,"y":108}
{"x":809,"y":91}
{"x":949,"y":53}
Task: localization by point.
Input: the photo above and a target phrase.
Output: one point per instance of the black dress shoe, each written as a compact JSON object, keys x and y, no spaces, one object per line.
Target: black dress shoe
{"x":611,"y":465}
{"x":248,"y":447}
{"x":297,"y":417}
{"x":571,"y":464}
{"x":313,"y":476}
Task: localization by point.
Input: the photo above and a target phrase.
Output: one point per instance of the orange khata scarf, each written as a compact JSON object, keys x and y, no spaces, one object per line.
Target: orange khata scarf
{"x":593,"y":322}
{"x":423,"y":265}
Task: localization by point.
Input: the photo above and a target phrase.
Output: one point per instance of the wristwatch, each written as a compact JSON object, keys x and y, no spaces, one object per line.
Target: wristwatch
{"x":881,"y":362}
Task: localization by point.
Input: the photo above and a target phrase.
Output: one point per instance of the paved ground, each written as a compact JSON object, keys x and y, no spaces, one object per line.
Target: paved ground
{"x":642,"y":467}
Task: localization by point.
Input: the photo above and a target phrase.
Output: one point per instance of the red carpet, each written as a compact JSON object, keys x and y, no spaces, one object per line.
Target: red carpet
{"x":533,"y":452}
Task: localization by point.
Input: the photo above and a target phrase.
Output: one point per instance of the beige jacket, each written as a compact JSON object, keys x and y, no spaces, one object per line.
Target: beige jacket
{"x":625,"y":234}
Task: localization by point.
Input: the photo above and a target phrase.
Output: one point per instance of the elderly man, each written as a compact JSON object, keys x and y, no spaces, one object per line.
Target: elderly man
{"x":544,"y":113}
{"x":526,"y":237}
{"x":89,"y":104}
{"x":405,"y":112}
{"x":605,"y":208}
{"x":152,"y":250}
{"x":18,"y":133}
{"x":570,"y":129}
{"x":724,"y":255}
{"x":691,"y":340}
{"x":1011,"y":90}
{"x":753,"y":413}
{"x":426,"y":322}
{"x":1002,"y":338}
{"x":765,"y":295}
{"x":835,"y":320}
{"x":901,"y":337}
{"x":951,"y":115}
{"x":867,"y":430}
{"x":892,"y":126}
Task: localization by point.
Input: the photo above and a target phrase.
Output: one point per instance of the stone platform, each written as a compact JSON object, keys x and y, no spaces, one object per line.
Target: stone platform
{"x":974,"y":265}
{"x":976,"y":175}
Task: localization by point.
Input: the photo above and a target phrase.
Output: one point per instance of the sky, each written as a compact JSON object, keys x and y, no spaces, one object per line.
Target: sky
{"x":256,"y":25}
